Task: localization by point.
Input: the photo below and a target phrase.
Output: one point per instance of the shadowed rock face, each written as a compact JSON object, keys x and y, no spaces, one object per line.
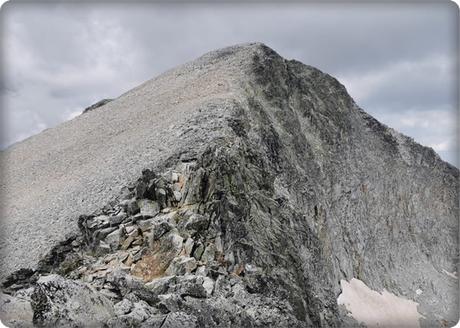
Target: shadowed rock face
{"x":236,"y":190}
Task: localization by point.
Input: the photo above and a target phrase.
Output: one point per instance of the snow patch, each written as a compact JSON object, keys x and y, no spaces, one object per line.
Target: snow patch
{"x":377,"y":309}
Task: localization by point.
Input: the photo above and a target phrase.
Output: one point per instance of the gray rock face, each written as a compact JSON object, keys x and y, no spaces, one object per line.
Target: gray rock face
{"x":263,"y":187}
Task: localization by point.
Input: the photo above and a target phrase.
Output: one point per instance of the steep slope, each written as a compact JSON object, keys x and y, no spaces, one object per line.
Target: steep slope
{"x":239,"y":189}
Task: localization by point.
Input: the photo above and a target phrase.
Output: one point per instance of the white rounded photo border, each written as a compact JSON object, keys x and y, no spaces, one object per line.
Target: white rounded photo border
{"x":2,"y":2}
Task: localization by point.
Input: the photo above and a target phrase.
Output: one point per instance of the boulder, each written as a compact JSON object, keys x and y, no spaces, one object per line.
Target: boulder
{"x":196,"y":223}
{"x":57,"y":301}
{"x":16,"y":311}
{"x":180,"y":320}
{"x":159,"y":228}
{"x":181,"y":265}
{"x":148,"y":207}
{"x":130,"y":206}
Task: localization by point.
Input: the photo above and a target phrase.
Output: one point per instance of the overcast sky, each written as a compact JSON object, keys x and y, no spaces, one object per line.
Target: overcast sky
{"x":396,"y":60}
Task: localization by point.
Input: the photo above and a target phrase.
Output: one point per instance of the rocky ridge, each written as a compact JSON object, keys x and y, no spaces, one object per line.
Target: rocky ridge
{"x":154,"y":257}
{"x":296,"y":189}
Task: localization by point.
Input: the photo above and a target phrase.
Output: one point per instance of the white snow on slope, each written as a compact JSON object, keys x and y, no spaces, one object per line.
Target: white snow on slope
{"x":377,"y":309}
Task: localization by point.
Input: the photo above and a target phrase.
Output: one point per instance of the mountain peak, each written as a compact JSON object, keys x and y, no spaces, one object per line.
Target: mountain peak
{"x":239,"y":189}
{"x":242,"y":50}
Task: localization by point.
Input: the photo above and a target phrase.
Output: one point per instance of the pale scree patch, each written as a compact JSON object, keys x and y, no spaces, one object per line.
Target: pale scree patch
{"x":375,"y":309}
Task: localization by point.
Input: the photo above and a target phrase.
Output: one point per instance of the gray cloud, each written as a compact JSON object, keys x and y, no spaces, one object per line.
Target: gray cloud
{"x":423,"y":83}
{"x":396,"y":60}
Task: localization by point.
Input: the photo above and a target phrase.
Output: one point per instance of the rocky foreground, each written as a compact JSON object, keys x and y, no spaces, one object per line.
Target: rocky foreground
{"x":238,"y":190}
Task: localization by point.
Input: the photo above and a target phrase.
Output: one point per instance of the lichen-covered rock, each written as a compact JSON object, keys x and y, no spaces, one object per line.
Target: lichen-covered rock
{"x":195,"y":223}
{"x":67,"y":303}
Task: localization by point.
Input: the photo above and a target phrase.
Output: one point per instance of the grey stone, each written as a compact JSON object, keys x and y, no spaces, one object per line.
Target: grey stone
{"x":159,"y":228}
{"x":132,"y":230}
{"x":117,"y":219}
{"x":113,"y":239}
{"x":140,"y":217}
{"x":130,"y":206}
{"x":145,"y":225}
{"x":127,"y":242}
{"x":149,"y":207}
{"x":202,"y":271}
{"x":188,"y":246}
{"x":16,"y":311}
{"x":155,"y":321}
{"x":174,"y":177}
{"x":180,"y":320}
{"x":131,"y":287}
{"x":181,"y":265}
{"x":109,"y":294}
{"x":161,"y":285}
{"x":103,"y":233}
{"x":208,"y":285}
{"x":249,"y":268}
{"x":177,"y":195}
{"x":137,"y":255}
{"x":198,"y":252}
{"x":209,"y":253}
{"x":123,"y":307}
{"x":196,"y":223}
{"x":170,"y":302}
{"x":185,"y":285}
{"x":161,"y":197}
{"x":62,"y":302}
{"x":190,"y":285}
{"x":141,"y":311}
{"x":122,"y":322}
{"x":99,"y":222}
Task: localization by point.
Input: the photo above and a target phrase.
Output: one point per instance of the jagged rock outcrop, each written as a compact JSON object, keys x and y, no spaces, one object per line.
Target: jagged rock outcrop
{"x":237,"y":190}
{"x":100,"y":103}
